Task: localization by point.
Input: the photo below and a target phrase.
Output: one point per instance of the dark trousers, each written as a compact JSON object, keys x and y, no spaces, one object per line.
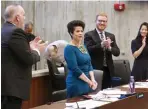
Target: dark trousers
{"x":106,"y":83}
{"x":10,"y":102}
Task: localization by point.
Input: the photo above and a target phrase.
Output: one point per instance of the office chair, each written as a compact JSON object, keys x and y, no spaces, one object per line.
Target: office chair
{"x":58,"y":81}
{"x":122,"y":70}
{"x":98,"y":74}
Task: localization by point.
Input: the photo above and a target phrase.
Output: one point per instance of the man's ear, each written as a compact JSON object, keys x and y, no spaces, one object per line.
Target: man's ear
{"x":17,"y":18}
{"x":55,"y":48}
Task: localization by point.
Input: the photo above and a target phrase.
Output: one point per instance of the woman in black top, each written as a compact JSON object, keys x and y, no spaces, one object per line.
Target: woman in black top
{"x":139,"y":48}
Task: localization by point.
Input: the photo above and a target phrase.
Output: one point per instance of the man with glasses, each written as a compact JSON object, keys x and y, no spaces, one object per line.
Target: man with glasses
{"x":101,"y":45}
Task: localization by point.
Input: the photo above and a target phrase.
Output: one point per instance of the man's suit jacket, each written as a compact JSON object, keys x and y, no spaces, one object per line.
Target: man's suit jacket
{"x":16,"y":62}
{"x":93,"y":44}
{"x":30,"y":36}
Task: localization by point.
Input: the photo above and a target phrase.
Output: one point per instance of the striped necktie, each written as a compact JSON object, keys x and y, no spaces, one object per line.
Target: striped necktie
{"x":104,"y":58}
{"x":102,"y":37}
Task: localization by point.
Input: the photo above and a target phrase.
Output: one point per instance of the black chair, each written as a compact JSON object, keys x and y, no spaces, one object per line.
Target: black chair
{"x":59,"y":95}
{"x":58,"y":81}
{"x":127,"y":66}
{"x":122,"y":70}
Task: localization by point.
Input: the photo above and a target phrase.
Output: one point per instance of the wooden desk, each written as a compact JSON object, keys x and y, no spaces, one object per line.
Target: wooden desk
{"x":40,"y":93}
{"x":127,"y":103}
{"x":41,"y":89}
{"x":55,"y":105}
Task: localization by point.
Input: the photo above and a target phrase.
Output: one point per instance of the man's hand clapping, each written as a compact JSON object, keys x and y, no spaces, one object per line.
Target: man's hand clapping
{"x":106,"y":43}
{"x":36,"y":44}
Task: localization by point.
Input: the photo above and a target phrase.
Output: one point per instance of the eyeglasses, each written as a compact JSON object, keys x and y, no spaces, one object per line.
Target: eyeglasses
{"x":100,"y":21}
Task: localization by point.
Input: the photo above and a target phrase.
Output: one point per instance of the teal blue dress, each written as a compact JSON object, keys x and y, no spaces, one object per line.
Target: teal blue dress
{"x":78,"y":62}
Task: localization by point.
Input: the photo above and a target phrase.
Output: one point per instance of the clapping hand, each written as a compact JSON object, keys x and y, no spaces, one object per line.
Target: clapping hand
{"x":104,"y":43}
{"x":36,"y":44}
{"x":36,"y":39}
{"x":41,"y":45}
{"x":109,"y":41}
{"x":33,"y":43}
{"x":144,"y":41}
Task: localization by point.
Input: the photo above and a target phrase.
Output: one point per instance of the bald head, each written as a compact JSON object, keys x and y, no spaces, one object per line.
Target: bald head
{"x":10,"y":11}
{"x":15,"y":14}
{"x":52,"y":51}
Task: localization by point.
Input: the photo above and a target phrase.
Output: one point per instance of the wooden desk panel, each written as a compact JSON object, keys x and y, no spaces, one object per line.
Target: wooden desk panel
{"x":40,"y":93}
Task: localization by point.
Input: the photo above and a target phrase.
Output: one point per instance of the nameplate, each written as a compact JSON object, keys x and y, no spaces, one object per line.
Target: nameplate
{"x":139,"y":95}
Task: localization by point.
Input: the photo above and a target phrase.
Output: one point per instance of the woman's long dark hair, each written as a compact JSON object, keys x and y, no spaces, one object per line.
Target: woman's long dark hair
{"x":139,"y":37}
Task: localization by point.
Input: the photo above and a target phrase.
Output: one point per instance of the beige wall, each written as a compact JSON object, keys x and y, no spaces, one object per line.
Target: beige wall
{"x":51,"y":17}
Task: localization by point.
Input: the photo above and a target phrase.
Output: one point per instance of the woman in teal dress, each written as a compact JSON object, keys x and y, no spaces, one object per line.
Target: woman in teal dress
{"x":80,"y":79}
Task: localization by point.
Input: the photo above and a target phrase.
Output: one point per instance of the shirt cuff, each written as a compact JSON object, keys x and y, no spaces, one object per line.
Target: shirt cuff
{"x":102,"y":45}
{"x":110,"y":48}
{"x":37,"y":51}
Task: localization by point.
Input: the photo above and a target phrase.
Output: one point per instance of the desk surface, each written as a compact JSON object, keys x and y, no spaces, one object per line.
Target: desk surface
{"x":128,"y":103}
{"x":39,"y":73}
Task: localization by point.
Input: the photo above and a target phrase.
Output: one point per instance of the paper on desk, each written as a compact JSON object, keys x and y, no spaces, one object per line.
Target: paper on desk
{"x":108,"y":95}
{"x":109,"y":99}
{"x":113,"y":92}
{"x":139,"y":85}
{"x":69,"y":108}
{"x":101,"y":98}
{"x":88,"y":104}
{"x":71,"y":105}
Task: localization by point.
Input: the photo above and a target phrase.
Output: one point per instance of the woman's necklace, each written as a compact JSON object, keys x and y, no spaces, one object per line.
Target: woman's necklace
{"x":80,"y":47}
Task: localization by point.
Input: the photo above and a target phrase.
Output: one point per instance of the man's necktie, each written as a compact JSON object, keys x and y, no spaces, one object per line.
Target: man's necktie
{"x":104,"y":58}
{"x":102,"y":37}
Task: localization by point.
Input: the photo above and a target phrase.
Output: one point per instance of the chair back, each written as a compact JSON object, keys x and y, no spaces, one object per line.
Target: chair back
{"x":98,"y":74}
{"x":122,"y":70}
{"x":57,"y":78}
{"x":58,"y":82}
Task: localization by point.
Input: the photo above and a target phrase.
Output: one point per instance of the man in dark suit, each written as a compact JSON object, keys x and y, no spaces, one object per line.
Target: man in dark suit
{"x":101,"y":45}
{"x":17,"y":58}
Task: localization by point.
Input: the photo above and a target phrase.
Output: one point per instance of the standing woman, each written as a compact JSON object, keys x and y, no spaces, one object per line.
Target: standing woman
{"x":139,"y":48}
{"x":80,"y":79}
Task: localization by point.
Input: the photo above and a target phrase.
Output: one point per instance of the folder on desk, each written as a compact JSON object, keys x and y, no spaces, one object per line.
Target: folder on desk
{"x":87,"y":104}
